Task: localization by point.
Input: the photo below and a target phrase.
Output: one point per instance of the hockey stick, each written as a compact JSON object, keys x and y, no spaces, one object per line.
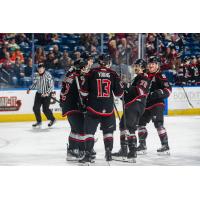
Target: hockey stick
{"x":189,"y":102}
{"x":123,"y":102}
{"x":55,"y":99}
{"x":79,"y":89}
{"x":117,"y":111}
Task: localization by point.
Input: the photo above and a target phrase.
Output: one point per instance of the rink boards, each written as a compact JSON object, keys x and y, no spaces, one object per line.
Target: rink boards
{"x":16,"y":105}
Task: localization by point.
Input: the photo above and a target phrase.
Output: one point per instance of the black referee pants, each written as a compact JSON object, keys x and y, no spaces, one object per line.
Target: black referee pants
{"x":44,"y":102}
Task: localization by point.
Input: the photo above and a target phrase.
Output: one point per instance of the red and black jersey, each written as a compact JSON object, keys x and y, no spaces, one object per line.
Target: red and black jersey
{"x":99,"y":86}
{"x":187,"y":71}
{"x":69,"y":96}
{"x":138,"y":91}
{"x":159,"y":90}
{"x":194,"y":71}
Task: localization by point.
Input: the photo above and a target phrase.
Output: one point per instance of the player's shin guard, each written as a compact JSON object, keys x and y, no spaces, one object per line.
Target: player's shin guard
{"x":81,"y":142}
{"x":132,"y":144}
{"x":142,"y":134}
{"x":89,"y":142}
{"x":73,"y":141}
{"x":122,"y":153}
{"x":132,"y":140}
{"x":164,"y":141}
{"x":123,"y":135}
{"x":163,"y":135}
{"x":108,"y":141}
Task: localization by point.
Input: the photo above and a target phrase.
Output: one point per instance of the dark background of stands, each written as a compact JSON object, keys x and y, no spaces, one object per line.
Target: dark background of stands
{"x":20,"y":53}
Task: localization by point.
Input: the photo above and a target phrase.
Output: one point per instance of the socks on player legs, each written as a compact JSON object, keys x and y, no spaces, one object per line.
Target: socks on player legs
{"x":108,"y":141}
{"x":163,"y":135}
{"x":142,"y":134}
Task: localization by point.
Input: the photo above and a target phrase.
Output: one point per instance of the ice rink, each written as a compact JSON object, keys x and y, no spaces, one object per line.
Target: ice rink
{"x":22,"y":145}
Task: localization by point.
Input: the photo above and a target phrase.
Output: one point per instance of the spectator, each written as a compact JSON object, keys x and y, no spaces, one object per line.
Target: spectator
{"x":50,"y":63}
{"x":13,"y":45}
{"x":40,"y":56}
{"x":178,"y":44}
{"x":17,"y":54}
{"x":21,"y":39}
{"x":27,"y":79}
{"x":151,"y":45}
{"x":28,"y":69}
{"x":65,"y":61}
{"x":17,"y":72}
{"x":77,"y":55}
{"x":3,"y":52}
{"x":112,"y":48}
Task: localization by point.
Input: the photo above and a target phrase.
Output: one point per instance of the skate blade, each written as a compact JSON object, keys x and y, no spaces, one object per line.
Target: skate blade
{"x":37,"y":127}
{"x":122,"y":159}
{"x":144,"y":152}
{"x":132,"y":160}
{"x":166,"y":153}
{"x":71,"y":159}
{"x":87,"y":163}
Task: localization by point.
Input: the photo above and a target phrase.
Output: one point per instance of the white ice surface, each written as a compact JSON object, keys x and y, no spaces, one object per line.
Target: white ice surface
{"x":22,"y":145}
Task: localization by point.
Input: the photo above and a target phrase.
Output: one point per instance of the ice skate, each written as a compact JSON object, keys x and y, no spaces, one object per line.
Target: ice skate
{"x":164,"y":150}
{"x":72,"y":155}
{"x":121,"y":155}
{"x":51,"y":123}
{"x":108,"y":155}
{"x":37,"y":125}
{"x":87,"y":159}
{"x":93,"y":154}
{"x":132,"y":155}
{"x":141,"y":149}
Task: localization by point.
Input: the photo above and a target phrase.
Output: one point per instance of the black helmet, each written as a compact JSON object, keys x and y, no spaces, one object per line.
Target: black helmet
{"x":198,"y":56}
{"x":86,"y":55}
{"x":153,"y":59}
{"x":193,"y":57}
{"x":104,"y":59}
{"x":79,"y":64}
{"x":186,"y":58}
{"x":141,"y":62}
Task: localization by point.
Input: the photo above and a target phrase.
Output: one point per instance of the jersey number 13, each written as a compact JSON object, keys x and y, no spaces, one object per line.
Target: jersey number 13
{"x":103,"y":87}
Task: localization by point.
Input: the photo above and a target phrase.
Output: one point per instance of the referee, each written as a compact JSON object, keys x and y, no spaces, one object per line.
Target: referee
{"x":43,"y":83}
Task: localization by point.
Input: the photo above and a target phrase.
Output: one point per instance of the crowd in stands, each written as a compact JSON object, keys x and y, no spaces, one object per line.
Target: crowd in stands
{"x":179,"y":54}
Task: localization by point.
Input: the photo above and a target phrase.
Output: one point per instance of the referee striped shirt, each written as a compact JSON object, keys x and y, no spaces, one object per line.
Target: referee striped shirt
{"x":43,"y":83}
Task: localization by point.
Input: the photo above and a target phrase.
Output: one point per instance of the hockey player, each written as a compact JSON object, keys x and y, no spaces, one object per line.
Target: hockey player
{"x":135,"y":101}
{"x":72,"y":108}
{"x":194,"y":71}
{"x":99,"y":86}
{"x":160,"y":89}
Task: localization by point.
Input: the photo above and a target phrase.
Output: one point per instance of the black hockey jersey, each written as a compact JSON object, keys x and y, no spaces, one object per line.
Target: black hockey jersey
{"x":138,"y":91}
{"x":159,"y":90}
{"x":99,"y":85}
{"x":69,"y":96}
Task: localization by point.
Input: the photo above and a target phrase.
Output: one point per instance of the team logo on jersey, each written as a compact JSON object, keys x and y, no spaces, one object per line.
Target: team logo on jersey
{"x":9,"y":104}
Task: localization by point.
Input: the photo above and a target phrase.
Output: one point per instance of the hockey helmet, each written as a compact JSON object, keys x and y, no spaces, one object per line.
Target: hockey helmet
{"x":104,"y":60}
{"x":79,"y":64}
{"x":154,"y":59}
{"x":86,"y":55}
{"x":141,"y":63}
{"x":186,"y":58}
{"x":193,"y":57}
